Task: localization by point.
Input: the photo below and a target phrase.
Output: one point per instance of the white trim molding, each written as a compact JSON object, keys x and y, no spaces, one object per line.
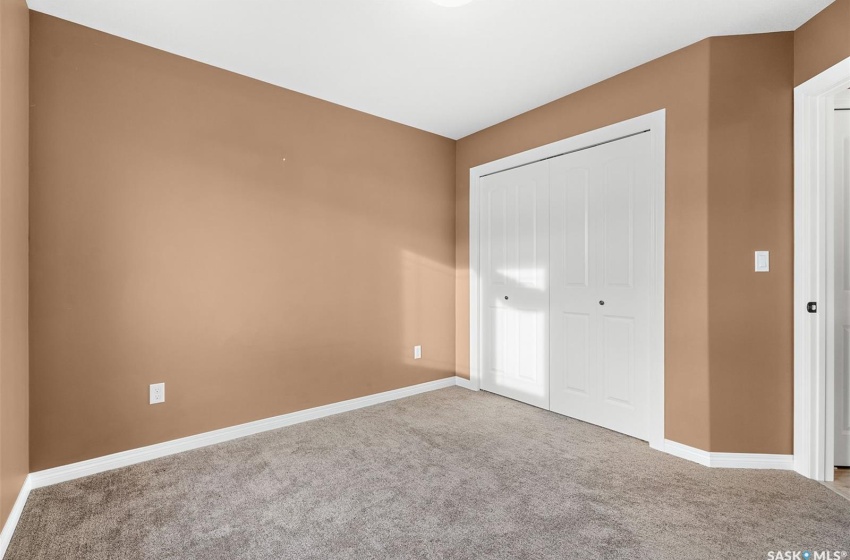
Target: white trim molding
{"x":82,"y":469}
{"x":813,"y":377}
{"x":465,"y":383}
{"x":15,"y":516}
{"x":729,"y":460}
{"x":653,"y":123}
{"x":73,"y":471}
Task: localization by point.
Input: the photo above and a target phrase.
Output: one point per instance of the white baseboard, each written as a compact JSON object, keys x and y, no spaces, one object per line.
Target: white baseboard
{"x":686,"y":452}
{"x":73,"y":471}
{"x":14,"y":516}
{"x":465,"y":383}
{"x":729,"y":460}
{"x":125,"y":458}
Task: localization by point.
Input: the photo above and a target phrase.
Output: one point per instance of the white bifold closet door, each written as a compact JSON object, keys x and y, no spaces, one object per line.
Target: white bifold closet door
{"x":600,"y":285}
{"x":565,"y":284}
{"x":514,"y":290}
{"x":842,"y":288}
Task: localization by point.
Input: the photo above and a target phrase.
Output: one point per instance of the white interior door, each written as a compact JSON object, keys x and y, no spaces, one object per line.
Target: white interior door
{"x":842,"y":286}
{"x":600,"y":284}
{"x":514,"y":283}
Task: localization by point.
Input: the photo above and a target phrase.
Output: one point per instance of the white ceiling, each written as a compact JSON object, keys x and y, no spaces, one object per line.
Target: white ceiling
{"x":452,"y":71}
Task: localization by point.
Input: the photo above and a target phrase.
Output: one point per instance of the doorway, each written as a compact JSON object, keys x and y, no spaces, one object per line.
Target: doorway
{"x":822,"y":274}
{"x":567,"y":277}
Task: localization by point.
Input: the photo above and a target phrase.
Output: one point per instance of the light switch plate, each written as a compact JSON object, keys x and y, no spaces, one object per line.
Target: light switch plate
{"x":762,"y":261}
{"x":417,"y":352}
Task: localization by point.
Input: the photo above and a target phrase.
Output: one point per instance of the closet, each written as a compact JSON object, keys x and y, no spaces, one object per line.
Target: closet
{"x":566,"y":255}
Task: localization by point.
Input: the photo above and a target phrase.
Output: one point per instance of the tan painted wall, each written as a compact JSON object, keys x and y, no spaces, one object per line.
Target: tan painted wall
{"x":729,"y":343}
{"x":729,"y":192}
{"x":14,"y":179}
{"x":822,"y":42}
{"x":751,"y":196}
{"x":728,"y":360}
{"x":172,"y":242}
{"x":678,"y":82}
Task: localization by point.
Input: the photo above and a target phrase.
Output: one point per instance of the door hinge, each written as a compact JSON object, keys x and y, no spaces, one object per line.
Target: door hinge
{"x":812,"y":307}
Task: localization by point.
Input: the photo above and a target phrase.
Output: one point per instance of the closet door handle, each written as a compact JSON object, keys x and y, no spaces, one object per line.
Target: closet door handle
{"x":601,"y":302}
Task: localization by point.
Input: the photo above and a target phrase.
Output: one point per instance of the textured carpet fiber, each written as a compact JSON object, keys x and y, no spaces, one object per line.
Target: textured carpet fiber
{"x":448,"y":474}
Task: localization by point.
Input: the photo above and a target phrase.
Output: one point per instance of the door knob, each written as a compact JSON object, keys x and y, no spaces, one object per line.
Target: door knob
{"x":506,"y":297}
{"x":601,"y":302}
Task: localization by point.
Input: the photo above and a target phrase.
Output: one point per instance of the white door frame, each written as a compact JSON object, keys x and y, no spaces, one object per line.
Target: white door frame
{"x":655,"y":125}
{"x":814,"y":405}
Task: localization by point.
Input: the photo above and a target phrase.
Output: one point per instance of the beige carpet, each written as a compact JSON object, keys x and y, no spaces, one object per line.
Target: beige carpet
{"x":448,"y":474}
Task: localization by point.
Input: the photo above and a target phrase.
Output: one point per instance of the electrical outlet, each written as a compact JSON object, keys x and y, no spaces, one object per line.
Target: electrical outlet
{"x":417,"y":352}
{"x":157,"y":393}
